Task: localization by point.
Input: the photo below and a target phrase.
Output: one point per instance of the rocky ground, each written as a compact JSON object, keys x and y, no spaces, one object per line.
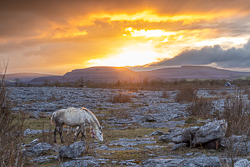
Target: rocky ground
{"x":148,"y":131}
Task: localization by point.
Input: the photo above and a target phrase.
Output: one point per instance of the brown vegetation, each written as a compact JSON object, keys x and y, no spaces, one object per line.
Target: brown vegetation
{"x":120,"y":98}
{"x":201,"y":107}
{"x":11,"y":130}
{"x":186,"y":93}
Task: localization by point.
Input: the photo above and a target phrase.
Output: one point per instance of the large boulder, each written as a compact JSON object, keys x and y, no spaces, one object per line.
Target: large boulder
{"x":211,"y":131}
{"x":74,"y":150}
{"x":180,"y":135}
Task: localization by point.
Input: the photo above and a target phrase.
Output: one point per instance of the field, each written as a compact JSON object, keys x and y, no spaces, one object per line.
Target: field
{"x":127,"y":118}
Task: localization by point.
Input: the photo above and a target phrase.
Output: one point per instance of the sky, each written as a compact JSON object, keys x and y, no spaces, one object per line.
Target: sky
{"x":59,"y":36}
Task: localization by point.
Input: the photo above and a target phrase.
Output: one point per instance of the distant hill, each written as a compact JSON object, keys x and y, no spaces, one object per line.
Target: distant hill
{"x":113,"y":74}
{"x":193,"y":72}
{"x":94,"y":74}
{"x":24,"y":77}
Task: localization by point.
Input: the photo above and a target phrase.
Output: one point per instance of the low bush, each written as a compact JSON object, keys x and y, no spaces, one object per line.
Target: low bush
{"x":186,"y":93}
{"x":237,"y":114}
{"x":165,"y":94}
{"x":201,"y":107}
{"x":120,"y":98}
{"x":11,"y":130}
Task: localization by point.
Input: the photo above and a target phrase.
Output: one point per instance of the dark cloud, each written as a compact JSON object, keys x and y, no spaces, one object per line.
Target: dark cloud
{"x":230,"y":58}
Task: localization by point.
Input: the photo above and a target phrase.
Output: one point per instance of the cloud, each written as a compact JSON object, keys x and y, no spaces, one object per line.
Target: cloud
{"x":230,"y":58}
{"x":63,"y":35}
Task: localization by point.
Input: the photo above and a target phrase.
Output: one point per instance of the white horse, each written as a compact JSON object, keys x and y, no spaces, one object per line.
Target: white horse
{"x":76,"y":117}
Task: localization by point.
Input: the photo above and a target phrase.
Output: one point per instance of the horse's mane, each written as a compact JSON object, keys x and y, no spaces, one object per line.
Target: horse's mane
{"x":92,"y":116}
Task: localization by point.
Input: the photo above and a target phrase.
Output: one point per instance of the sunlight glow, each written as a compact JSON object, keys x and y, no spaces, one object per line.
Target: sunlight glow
{"x":148,"y":33}
{"x":150,"y":16}
{"x":139,"y":54}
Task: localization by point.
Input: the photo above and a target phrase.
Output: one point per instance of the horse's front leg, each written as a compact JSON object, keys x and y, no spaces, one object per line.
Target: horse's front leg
{"x":60,"y":132}
{"x":83,"y":130}
{"x":78,"y":130}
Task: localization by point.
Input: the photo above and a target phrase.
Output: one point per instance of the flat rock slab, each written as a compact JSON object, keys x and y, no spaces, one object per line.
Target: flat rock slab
{"x":194,"y":162}
{"x":116,"y":149}
{"x":38,"y":149}
{"x":44,"y":159}
{"x":132,"y":142}
{"x":80,"y":163}
{"x":74,"y":150}
{"x":162,"y":162}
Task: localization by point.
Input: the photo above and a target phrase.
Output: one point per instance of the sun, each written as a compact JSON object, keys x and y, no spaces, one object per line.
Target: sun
{"x":135,"y":55}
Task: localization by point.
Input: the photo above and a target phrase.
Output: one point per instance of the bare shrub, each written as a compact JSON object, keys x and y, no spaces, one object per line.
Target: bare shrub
{"x":165,"y":94}
{"x":213,"y":92}
{"x":223,"y":92}
{"x":120,"y":98}
{"x":11,"y":130}
{"x":201,"y":107}
{"x":237,"y":114}
{"x":187,"y":93}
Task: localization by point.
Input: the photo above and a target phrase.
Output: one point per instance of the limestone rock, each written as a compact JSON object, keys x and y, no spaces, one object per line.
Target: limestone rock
{"x":211,"y":131}
{"x":74,"y":150}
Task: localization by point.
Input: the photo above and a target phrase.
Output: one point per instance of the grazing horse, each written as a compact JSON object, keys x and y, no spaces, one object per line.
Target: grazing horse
{"x":76,"y":117}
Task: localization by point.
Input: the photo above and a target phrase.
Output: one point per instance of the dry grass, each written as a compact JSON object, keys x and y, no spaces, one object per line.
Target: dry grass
{"x":120,"y":98}
{"x":223,"y":93}
{"x":201,"y":107}
{"x":11,"y":130}
{"x":186,"y":93}
{"x":165,"y":94}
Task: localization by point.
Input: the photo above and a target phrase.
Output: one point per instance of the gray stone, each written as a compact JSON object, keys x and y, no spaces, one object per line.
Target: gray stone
{"x":162,"y":162}
{"x":37,"y":149}
{"x":176,"y":146}
{"x":80,"y":163}
{"x":132,"y":142}
{"x":242,"y":163}
{"x":194,"y":162}
{"x":179,"y":135}
{"x":74,"y":150}
{"x":44,"y":159}
{"x":154,"y":147}
{"x":211,"y":131}
{"x":158,"y":132}
{"x":238,"y":145}
{"x":202,"y":161}
{"x":31,"y":144}
{"x":150,"y":118}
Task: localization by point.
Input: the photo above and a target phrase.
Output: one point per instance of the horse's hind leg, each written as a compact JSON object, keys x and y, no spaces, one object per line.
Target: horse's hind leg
{"x":60,"y":132}
{"x":55,"y":134}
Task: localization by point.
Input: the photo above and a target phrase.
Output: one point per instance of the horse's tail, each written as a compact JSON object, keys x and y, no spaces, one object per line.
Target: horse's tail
{"x":52,"y":119}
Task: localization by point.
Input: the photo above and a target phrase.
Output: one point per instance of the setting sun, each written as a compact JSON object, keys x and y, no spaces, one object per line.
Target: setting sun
{"x":139,"y":54}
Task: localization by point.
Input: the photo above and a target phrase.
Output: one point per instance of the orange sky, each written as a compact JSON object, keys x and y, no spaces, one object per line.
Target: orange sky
{"x":59,"y":36}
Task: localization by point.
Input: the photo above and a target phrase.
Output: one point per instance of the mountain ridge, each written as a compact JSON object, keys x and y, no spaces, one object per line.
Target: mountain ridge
{"x":104,"y":74}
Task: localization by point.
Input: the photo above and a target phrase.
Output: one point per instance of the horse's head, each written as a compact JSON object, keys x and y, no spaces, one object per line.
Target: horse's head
{"x":98,"y":134}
